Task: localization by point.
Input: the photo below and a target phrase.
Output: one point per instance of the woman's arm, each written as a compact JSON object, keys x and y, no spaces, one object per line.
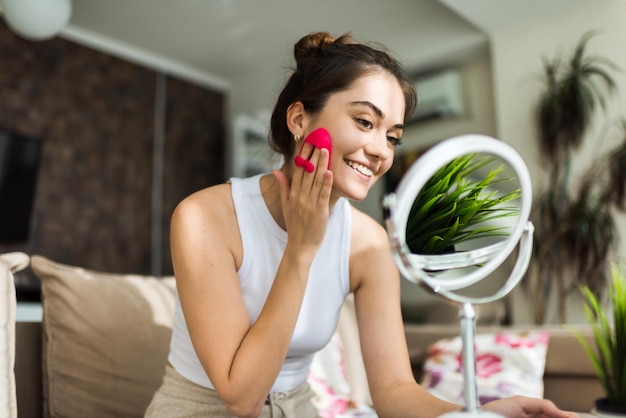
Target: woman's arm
{"x":206,"y":257}
{"x":243,"y":361}
{"x":376,"y":285}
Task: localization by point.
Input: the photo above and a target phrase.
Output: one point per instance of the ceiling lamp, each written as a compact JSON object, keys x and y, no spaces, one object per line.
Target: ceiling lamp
{"x":36,"y":19}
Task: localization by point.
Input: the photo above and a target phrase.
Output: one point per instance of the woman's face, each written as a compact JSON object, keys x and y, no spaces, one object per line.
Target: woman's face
{"x":365,"y":122}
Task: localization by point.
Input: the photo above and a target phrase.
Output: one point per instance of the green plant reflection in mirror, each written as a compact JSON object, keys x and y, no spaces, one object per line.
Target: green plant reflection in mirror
{"x":459,"y":204}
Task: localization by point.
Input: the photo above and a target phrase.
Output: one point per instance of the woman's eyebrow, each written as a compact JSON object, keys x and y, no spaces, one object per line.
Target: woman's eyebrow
{"x":372,"y":106}
{"x":376,"y":110}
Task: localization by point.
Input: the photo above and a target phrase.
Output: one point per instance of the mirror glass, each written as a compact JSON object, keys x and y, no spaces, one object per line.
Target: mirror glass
{"x":470,"y":202}
{"x":459,"y":213}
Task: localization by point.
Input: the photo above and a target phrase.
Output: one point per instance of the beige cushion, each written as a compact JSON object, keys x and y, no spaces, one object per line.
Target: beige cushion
{"x":105,"y":339}
{"x":9,"y":264}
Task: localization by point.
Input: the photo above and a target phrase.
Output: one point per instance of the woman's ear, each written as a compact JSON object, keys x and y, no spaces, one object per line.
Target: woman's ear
{"x":295,"y":118}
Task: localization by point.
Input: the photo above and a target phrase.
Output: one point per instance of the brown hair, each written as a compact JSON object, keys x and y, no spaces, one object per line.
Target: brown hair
{"x":324,"y":66}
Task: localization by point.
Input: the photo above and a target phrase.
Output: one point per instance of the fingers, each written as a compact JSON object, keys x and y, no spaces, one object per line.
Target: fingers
{"x":320,"y":187}
{"x":313,"y":184}
{"x":311,"y":157}
{"x":544,"y":408}
{"x":521,"y":406}
{"x":326,"y":187}
{"x":303,"y":159}
{"x":310,"y":165}
{"x":306,"y":164}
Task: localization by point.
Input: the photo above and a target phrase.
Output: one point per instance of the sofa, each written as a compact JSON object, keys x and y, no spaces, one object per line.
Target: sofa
{"x":102,"y":345}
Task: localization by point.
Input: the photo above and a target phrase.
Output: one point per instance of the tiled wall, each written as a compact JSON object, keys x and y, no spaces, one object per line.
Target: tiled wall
{"x":95,"y":115}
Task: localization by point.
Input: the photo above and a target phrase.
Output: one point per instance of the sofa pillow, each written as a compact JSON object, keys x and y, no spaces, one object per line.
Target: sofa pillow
{"x":9,"y":264}
{"x":328,"y":380}
{"x":508,"y":363}
{"x":105,"y":339}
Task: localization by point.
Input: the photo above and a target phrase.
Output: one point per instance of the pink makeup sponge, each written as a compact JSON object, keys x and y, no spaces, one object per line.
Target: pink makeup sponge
{"x":319,"y":138}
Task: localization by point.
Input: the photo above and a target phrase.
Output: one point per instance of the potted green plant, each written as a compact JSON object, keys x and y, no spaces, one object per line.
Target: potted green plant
{"x":608,"y":352}
{"x":574,"y":221}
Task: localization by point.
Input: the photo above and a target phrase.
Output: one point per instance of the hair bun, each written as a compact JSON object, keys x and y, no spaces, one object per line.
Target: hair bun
{"x":311,"y":43}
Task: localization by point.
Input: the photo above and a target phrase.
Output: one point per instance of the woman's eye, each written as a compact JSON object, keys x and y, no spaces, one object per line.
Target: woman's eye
{"x":365,"y":123}
{"x":394,"y":141}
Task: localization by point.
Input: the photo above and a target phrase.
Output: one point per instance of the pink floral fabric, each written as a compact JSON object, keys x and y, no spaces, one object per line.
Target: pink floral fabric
{"x":327,"y":378}
{"x":507,"y":364}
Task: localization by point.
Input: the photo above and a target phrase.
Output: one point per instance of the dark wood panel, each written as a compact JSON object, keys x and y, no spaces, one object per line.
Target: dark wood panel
{"x":95,"y":116}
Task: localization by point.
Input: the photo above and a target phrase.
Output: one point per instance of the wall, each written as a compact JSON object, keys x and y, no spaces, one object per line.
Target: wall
{"x":517,"y":61}
{"x":97,"y":118}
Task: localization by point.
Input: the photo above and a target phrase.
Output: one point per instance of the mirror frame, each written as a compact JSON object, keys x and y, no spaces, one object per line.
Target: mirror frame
{"x":397,"y":207}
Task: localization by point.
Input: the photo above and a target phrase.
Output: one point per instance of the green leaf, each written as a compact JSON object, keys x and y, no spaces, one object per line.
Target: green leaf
{"x":454,"y":205}
{"x":609,"y":356}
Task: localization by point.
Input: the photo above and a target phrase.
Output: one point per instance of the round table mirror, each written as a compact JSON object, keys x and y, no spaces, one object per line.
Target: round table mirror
{"x":458,"y":214}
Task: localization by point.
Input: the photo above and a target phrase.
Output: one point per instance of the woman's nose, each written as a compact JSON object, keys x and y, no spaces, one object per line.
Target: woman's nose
{"x":378,"y":147}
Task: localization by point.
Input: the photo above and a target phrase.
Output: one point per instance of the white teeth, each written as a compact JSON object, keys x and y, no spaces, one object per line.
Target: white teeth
{"x":360,"y":168}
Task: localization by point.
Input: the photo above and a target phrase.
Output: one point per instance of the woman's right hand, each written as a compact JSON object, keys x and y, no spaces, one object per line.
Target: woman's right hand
{"x":306,"y":200}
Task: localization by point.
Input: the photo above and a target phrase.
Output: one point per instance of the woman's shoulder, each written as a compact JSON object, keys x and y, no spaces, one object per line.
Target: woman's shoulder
{"x":370,"y":252}
{"x":207,"y":195}
{"x":209,"y":206}
{"x":367,"y":233}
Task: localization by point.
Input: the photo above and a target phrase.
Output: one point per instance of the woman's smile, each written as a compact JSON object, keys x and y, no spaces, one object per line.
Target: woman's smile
{"x":360,"y":168}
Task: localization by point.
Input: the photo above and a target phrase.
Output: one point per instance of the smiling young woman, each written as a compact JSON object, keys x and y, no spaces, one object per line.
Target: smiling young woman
{"x":263,"y":264}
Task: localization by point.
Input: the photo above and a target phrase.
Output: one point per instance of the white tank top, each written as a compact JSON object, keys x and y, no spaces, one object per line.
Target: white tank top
{"x":263,"y":246}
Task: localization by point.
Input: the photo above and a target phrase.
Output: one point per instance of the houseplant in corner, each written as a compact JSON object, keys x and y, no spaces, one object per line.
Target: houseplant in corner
{"x":574,"y":214}
{"x":609,"y":337}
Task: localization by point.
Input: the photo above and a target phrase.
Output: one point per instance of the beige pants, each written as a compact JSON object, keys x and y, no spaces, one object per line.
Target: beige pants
{"x":178,"y":397}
